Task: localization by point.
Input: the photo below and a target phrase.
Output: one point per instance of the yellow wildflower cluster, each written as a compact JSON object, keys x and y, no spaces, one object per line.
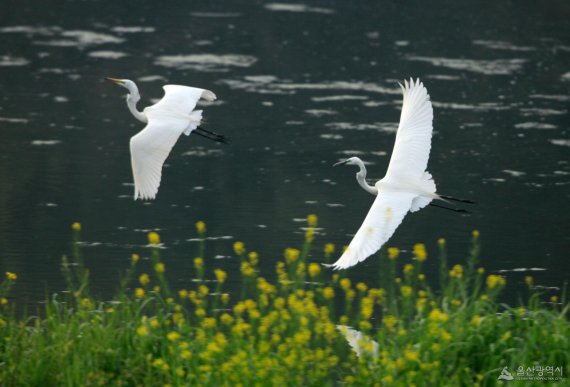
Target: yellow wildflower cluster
{"x":456,"y":272}
{"x":314,"y":269}
{"x":393,"y":252}
{"x":76,"y":226}
{"x":495,"y":280}
{"x":153,"y":238}
{"x":312,"y":220}
{"x":291,"y":255}
{"x":200,"y":227}
{"x":11,"y":276}
{"x":329,"y":249}
{"x":220,"y":275}
{"x":239,"y":248}
{"x":420,"y":252}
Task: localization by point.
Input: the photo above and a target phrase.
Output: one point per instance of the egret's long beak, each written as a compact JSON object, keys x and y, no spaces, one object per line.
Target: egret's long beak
{"x":115,"y":80}
{"x":340,"y":163}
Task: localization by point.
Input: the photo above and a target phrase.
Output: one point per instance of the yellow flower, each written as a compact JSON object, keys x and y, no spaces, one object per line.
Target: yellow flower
{"x":506,"y":336}
{"x":435,"y":347}
{"x":135,"y":258}
{"x":312,"y":220}
{"x":173,"y":336}
{"x":139,"y":292}
{"x":186,"y":354}
{"x":153,"y":238}
{"x":411,"y":355}
{"x":475,"y":233}
{"x":154,"y":323}
{"x":246,"y":269}
{"x":420,"y":252}
{"x":408,"y":268}
{"x":441,"y":242}
{"x":314,"y":269}
{"x":406,"y":291}
{"x":446,"y":336}
{"x":3,"y":301}
{"x":291,"y":254}
{"x":76,"y":226}
{"x":183,"y":293}
{"x":225,"y":298}
{"x":554,"y":299}
{"x":389,"y":321}
{"x":361,"y":286}
{"x":220,"y":275}
{"x":200,"y":227}
{"x":456,"y":271}
{"x":239,"y":248}
{"x":421,"y":277}
{"x":226,"y":319}
{"x":142,"y":330}
{"x":455,"y":302}
{"x":393,"y":252}
{"x":388,"y":379}
{"x":328,"y":293}
{"x":528,"y":280}
{"x":329,"y":249}
{"x":180,"y":372}
{"x":144,"y":279}
{"x":200,"y":312}
{"x":476,"y":320}
{"x":481,"y":270}
{"x":345,"y":284}
{"x":159,"y":267}
{"x":209,"y":322}
{"x":495,"y":280}
{"x":11,"y":276}
{"x":203,"y":290}
{"x":438,"y":315}
{"x":198,"y":263}
{"x":253,"y":258}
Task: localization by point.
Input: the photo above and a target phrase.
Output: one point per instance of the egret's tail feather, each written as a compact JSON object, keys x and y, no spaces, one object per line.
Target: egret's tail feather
{"x":427,"y":185}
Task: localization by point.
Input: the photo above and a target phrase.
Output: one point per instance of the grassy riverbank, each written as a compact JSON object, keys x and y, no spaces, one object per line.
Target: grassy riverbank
{"x":291,"y":329}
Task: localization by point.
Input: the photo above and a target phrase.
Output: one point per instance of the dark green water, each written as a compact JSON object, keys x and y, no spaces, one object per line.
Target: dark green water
{"x":300,"y":86}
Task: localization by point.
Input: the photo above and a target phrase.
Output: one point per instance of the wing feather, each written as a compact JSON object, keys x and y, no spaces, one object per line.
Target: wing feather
{"x":149,"y":150}
{"x":385,"y":215}
{"x":182,"y":99}
{"x":413,"y":139}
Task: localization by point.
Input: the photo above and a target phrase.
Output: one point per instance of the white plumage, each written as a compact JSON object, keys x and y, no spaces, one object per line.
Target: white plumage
{"x":166,"y":120}
{"x":407,"y":185}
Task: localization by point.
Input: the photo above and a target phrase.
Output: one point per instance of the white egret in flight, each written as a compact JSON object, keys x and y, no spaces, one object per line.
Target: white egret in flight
{"x":407,"y":186}
{"x":166,"y":120}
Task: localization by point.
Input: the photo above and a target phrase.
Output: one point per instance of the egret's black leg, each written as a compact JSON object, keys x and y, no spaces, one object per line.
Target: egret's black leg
{"x":209,"y":132}
{"x":456,"y":199}
{"x":220,"y":139}
{"x":450,"y":209}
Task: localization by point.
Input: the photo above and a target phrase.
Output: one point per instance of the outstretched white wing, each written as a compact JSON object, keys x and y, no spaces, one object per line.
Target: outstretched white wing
{"x":181,"y":99}
{"x":385,"y":215}
{"x":167,"y":120}
{"x":413,"y":139}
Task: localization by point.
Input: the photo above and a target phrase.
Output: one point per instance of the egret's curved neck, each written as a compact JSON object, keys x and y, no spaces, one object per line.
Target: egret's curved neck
{"x":132,"y":100}
{"x":361,"y":179}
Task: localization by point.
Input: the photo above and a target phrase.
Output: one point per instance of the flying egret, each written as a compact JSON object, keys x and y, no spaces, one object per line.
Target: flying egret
{"x":407,"y":186}
{"x":166,"y":120}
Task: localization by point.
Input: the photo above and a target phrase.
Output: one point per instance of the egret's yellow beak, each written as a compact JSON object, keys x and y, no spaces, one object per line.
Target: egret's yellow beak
{"x":115,"y":80}
{"x":341,"y":162}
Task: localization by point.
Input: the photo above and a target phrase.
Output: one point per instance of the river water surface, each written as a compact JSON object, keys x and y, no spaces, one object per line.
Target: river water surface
{"x":300,"y":86}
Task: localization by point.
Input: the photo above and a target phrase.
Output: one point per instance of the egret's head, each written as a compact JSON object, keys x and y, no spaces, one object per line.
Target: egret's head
{"x":350,"y":161}
{"x":126,"y":83}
